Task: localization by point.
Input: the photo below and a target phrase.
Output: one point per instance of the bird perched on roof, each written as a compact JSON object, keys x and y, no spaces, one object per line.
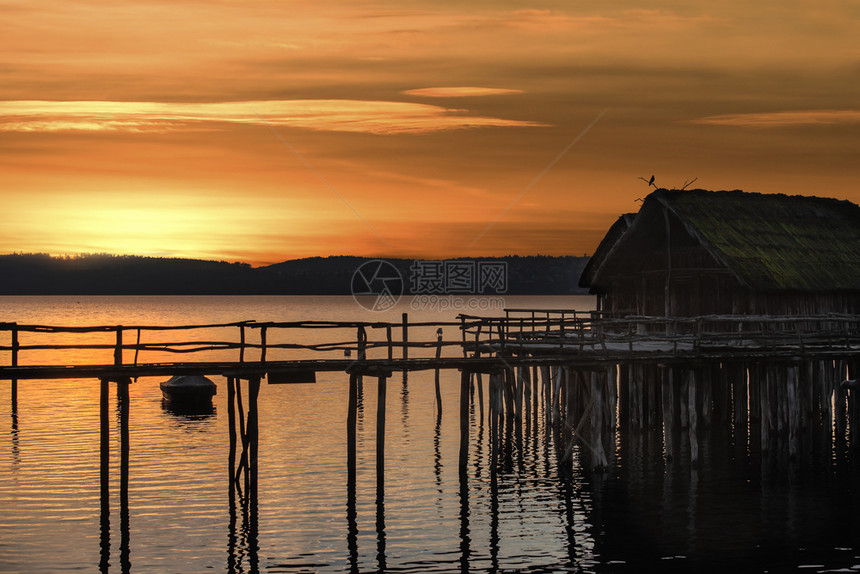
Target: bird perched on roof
{"x":650,"y":182}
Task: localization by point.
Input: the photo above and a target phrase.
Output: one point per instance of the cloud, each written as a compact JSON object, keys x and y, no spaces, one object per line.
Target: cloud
{"x":783,"y":119}
{"x":459,"y":92}
{"x":376,"y":117}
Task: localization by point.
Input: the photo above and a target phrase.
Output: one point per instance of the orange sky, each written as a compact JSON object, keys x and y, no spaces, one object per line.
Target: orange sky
{"x":261,"y":131}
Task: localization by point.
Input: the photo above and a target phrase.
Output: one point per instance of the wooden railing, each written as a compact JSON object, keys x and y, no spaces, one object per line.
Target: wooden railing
{"x":519,"y":331}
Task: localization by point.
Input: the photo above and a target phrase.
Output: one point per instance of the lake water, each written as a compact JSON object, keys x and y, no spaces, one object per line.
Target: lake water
{"x":516,"y":509}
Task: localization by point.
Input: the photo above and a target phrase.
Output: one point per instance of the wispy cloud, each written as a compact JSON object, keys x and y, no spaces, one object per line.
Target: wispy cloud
{"x":376,"y":117}
{"x":783,"y":119}
{"x":459,"y":92}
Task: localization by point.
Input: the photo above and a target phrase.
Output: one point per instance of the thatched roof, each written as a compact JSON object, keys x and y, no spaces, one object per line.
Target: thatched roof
{"x":768,"y":242}
{"x":612,"y":236}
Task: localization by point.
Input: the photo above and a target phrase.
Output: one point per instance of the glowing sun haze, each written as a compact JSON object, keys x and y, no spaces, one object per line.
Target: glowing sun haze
{"x":262,"y":131}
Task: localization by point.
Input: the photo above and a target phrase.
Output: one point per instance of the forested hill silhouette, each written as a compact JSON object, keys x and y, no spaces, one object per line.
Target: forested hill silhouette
{"x":40,"y":274}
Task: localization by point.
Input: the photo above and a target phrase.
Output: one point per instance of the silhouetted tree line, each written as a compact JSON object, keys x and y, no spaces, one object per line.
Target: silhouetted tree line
{"x":101,"y":274}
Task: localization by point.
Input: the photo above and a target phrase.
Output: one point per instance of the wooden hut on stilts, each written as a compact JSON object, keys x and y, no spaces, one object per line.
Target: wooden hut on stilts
{"x":733,"y":256}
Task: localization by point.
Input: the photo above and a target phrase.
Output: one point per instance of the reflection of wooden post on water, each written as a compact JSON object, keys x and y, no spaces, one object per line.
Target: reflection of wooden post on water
{"x":247,"y":470}
{"x":124,"y":450}
{"x":351,"y":506}
{"x":104,"y":473}
{"x":380,"y":470}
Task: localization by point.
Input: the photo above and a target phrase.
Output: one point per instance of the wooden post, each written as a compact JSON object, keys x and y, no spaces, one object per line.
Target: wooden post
{"x":739,"y":384}
{"x":117,"y":351}
{"x":480,"y":384}
{"x":241,"y":343}
{"x":231,"y":429}
{"x":15,"y":347}
{"x":668,"y":411}
{"x":611,"y":418}
{"x":519,"y":391}
{"x":136,"y":349}
{"x":754,"y":390}
{"x":808,"y":389}
{"x":405,"y":335}
{"x":525,"y":375}
{"x":464,"y":468}
{"x":707,"y":394}
{"x":122,"y":385}
{"x":600,"y":461}
{"x":780,"y":382}
{"x":793,"y":409}
{"x":263,"y":344}
{"x":104,"y":475}
{"x":624,"y":394}
{"x":766,"y":418}
{"x":853,"y":407}
{"x":653,"y":383}
{"x":547,"y":393}
{"x":380,"y":433}
{"x":252,"y":491}
{"x":351,"y":451}
{"x":253,"y":434}
{"x":826,"y":384}
{"x":438,"y":355}
{"x":464,"y":422}
{"x":694,"y":417}
{"x":390,"y":344}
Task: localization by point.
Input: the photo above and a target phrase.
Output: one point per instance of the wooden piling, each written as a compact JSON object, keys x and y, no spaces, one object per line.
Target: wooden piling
{"x":404,"y":336}
{"x":117,"y":350}
{"x":231,"y":430}
{"x":668,"y":411}
{"x":793,"y":409}
{"x":611,"y":402}
{"x":253,"y":434}
{"x":707,"y":388}
{"x":436,"y":378}
{"x":380,"y":431}
{"x":826,"y":385}
{"x":853,"y":406}
{"x":15,"y":347}
{"x":765,"y":402}
{"x":652,"y":383}
{"x":624,"y":393}
{"x":104,"y":476}
{"x":351,"y":469}
{"x":598,"y":452}
{"x":738,"y":377}
{"x":124,"y":449}
{"x":637,"y":408}
{"x":692,"y":413}
{"x":754,"y":390}
{"x":464,"y":422}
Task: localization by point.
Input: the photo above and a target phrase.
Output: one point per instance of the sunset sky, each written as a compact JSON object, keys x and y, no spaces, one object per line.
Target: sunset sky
{"x":261,"y":131}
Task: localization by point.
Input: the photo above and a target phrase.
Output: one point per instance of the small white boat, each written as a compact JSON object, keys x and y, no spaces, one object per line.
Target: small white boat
{"x":188,"y":389}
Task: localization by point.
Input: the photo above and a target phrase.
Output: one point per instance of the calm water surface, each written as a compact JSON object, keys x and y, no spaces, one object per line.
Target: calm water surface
{"x":516,"y":509}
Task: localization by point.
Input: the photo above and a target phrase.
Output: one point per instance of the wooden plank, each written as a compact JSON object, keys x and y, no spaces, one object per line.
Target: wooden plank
{"x":291,"y":377}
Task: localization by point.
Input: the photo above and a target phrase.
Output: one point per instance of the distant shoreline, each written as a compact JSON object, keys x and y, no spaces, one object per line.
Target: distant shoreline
{"x":40,"y":274}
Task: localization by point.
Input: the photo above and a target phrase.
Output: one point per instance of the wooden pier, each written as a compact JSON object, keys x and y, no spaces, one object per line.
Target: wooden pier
{"x":597,"y":373}
{"x":774,"y":383}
